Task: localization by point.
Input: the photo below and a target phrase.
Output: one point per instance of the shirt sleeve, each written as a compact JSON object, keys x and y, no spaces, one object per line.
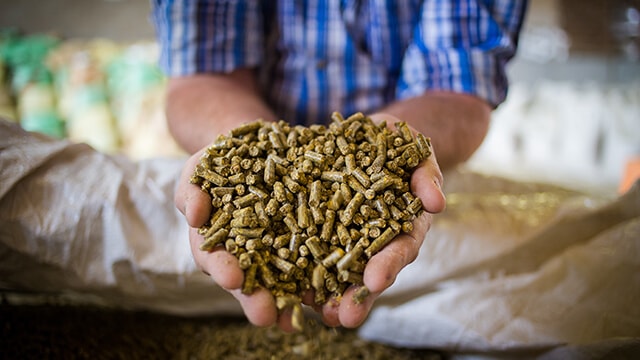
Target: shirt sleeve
{"x":208,"y":36}
{"x":463,"y":47}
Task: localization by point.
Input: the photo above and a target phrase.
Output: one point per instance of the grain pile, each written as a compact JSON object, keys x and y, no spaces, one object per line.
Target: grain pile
{"x":87,"y":332}
{"x":304,"y":208}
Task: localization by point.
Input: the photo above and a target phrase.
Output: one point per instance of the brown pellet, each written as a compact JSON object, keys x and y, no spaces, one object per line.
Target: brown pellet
{"x":306,"y":207}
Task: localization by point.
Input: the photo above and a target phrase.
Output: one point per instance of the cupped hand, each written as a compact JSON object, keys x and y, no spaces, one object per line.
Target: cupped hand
{"x":380,"y":272}
{"x":259,"y":307}
{"x":383,"y":268}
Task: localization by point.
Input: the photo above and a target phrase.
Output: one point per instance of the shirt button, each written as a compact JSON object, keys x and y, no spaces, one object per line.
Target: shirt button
{"x":321,"y":64}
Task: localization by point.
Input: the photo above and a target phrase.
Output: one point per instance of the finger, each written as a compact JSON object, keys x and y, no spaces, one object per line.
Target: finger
{"x":330,"y":312}
{"x":308,"y":299}
{"x":383,"y":267}
{"x":426,"y":183}
{"x":222,"y":266}
{"x":284,"y":321}
{"x":259,"y":307}
{"x":192,"y":202}
{"x":352,"y":314}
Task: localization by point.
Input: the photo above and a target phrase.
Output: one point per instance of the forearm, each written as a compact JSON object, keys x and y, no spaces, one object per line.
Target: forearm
{"x":201,"y":107}
{"x":456,"y":123}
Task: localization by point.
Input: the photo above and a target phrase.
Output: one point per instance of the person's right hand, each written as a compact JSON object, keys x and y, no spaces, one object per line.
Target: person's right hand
{"x":259,"y":307}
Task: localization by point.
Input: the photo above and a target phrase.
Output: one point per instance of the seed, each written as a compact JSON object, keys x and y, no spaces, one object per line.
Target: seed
{"x":282,"y":265}
{"x":269,"y":171}
{"x":231,"y":246}
{"x":244,"y":260}
{"x":265,"y":272}
{"x":415,"y":206}
{"x":350,"y":162}
{"x":336,"y":201}
{"x":404,"y":131}
{"x":249,"y":282}
{"x":318,"y":217}
{"x":424,"y":145}
{"x":259,"y":192}
{"x":222,"y":219}
{"x":382,"y":184}
{"x":272,"y":207}
{"x":352,"y":207}
{"x":294,"y":244}
{"x":380,"y":242}
{"x":334,"y":176}
{"x":249,"y":233}
{"x":333,"y":258}
{"x":291,"y":223}
{"x":407,"y":226}
{"x":302,"y":262}
{"x":346,"y":192}
{"x":315,"y":194}
{"x":284,"y":253}
{"x":277,"y":189}
{"x":246,"y":200}
{"x":314,"y":157}
{"x":291,"y":184}
{"x":263,"y":219}
{"x":211,"y":176}
{"x":361,"y":176}
{"x":304,"y":214}
{"x":360,"y":294}
{"x":237,"y":179}
{"x":253,"y":244}
{"x":279,"y":192}
{"x":327,"y":227}
{"x":317,"y":280}
{"x":357,"y":186}
{"x":347,"y":260}
{"x":343,"y":145}
{"x":331,"y":282}
{"x":350,"y":277}
{"x":212,"y":241}
{"x":281,"y":240}
{"x":313,"y":244}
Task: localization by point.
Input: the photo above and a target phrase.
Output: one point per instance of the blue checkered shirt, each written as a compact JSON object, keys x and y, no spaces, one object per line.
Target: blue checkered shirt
{"x":317,"y":56}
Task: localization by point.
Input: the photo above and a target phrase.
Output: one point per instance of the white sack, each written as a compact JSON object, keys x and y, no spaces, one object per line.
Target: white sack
{"x":76,"y":221}
{"x":573,"y":279}
{"x":509,"y":265}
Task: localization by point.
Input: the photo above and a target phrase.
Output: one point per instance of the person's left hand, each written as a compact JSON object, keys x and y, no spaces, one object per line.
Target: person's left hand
{"x":383,"y":268}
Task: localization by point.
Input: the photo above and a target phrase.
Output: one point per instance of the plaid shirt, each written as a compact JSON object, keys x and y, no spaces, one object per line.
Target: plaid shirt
{"x":319,"y":56}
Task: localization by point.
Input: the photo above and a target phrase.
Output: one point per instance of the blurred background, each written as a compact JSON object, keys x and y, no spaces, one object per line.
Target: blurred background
{"x":572,"y":116}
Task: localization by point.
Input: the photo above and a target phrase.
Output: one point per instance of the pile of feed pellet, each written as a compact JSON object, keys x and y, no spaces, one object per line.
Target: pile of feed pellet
{"x":88,"y":332}
{"x":304,"y":208}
